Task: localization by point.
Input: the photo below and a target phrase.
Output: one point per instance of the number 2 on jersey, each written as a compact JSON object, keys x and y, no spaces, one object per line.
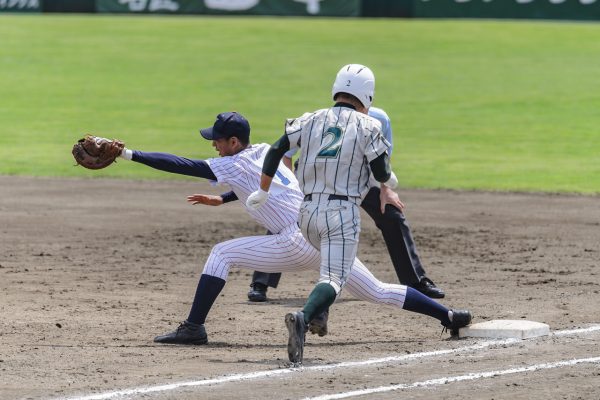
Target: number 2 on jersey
{"x":332,"y":142}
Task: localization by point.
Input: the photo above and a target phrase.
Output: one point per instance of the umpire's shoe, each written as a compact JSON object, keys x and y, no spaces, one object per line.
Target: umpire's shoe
{"x":186,"y":333}
{"x":428,"y":288}
{"x":460,"y":318}
{"x":258,"y":292}
{"x":297,"y":329}
{"x":318,"y":325}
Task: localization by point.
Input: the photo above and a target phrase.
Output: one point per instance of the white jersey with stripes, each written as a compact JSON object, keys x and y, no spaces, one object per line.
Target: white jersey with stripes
{"x":386,"y":130}
{"x":242,"y":173}
{"x":336,"y":145}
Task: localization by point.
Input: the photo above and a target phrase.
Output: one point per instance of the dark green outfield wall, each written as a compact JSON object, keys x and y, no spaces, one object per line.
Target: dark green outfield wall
{"x":531,"y":9}
{"x":534,"y":9}
{"x":342,"y":8}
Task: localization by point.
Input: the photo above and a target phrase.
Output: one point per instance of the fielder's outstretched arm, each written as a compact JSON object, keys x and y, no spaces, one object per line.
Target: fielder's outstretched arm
{"x":171,"y":163}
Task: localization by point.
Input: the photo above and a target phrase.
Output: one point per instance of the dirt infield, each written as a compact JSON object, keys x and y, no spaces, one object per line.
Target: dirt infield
{"x":92,"y":270}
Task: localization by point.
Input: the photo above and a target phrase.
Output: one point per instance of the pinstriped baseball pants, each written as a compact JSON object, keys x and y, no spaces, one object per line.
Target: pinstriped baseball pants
{"x":332,"y":227}
{"x":289,"y":251}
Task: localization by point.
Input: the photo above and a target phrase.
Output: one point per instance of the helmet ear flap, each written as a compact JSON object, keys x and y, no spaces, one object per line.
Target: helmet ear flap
{"x":357,"y":80}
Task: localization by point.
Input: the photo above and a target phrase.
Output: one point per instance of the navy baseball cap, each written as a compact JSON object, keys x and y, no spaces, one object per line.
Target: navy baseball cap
{"x":228,"y":124}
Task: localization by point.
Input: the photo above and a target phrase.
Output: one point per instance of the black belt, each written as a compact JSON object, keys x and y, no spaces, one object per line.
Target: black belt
{"x":308,"y":197}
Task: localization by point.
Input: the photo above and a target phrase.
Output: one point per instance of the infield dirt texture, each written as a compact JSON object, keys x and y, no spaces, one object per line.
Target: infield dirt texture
{"x":92,"y":270}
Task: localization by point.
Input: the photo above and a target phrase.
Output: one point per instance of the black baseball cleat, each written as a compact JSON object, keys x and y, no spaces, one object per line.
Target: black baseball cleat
{"x":297,"y":330}
{"x":460,"y":318}
{"x":428,"y":288}
{"x":258,"y":292}
{"x":318,"y":325}
{"x":186,"y":333}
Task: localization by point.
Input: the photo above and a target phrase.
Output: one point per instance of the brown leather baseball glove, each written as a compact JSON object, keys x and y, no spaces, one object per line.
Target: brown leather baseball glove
{"x":95,"y":152}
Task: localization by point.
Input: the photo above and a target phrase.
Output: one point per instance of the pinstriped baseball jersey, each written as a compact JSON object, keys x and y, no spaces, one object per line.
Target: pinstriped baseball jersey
{"x":386,"y":130}
{"x":337,"y":145}
{"x":242,"y":172}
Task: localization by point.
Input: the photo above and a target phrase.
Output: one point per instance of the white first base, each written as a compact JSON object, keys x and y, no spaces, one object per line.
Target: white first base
{"x":505,"y":328}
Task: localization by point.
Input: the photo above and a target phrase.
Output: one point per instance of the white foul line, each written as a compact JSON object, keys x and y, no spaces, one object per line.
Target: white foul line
{"x":347,"y":364}
{"x":451,"y":379}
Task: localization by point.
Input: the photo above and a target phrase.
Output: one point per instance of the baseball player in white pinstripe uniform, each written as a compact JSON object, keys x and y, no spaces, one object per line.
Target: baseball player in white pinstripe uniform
{"x":239,"y":166}
{"x":341,"y":147}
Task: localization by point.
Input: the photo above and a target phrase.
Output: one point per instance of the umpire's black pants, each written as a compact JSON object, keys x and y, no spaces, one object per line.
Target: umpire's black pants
{"x":398,"y":239}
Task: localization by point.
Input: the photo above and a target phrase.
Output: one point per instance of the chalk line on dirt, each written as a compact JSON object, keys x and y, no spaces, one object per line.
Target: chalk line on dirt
{"x":451,"y":379}
{"x":348,"y":364}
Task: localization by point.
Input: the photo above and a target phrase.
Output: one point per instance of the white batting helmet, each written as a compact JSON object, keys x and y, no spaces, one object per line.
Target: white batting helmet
{"x":356,"y":80}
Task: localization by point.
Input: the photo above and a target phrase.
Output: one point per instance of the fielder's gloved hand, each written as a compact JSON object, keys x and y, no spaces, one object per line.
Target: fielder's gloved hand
{"x":93,"y":152}
{"x":257,"y":199}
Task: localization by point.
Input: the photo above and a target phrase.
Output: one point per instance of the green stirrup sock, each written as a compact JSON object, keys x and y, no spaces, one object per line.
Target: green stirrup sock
{"x":321,"y":297}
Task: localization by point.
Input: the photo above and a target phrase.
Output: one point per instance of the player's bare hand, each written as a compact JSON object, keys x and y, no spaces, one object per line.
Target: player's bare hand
{"x":388,"y":196}
{"x":206,"y":199}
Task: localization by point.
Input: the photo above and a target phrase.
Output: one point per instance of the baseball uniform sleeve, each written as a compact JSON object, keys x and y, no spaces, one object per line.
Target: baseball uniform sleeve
{"x":293,"y":129}
{"x":224,"y":168}
{"x":376,"y":144}
{"x":386,"y":125}
{"x":229,"y":196}
{"x":380,"y":167}
{"x":175,"y":164}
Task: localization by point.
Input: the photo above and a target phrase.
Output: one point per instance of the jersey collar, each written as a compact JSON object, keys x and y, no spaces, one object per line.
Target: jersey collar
{"x":342,"y":104}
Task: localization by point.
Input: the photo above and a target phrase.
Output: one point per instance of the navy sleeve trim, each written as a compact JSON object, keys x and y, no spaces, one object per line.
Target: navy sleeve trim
{"x":229,"y":196}
{"x":175,"y":164}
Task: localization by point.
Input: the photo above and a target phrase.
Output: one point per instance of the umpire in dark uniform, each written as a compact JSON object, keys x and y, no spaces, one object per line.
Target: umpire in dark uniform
{"x":394,"y":228}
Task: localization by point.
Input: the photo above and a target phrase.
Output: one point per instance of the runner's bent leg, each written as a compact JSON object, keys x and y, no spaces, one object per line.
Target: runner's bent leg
{"x":334,"y":227}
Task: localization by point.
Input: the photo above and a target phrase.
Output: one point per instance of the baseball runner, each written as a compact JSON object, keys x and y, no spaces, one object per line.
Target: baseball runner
{"x":392,"y":224}
{"x":340,"y":147}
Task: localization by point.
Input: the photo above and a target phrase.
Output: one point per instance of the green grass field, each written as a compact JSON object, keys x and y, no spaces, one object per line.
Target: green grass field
{"x":494,"y":105}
